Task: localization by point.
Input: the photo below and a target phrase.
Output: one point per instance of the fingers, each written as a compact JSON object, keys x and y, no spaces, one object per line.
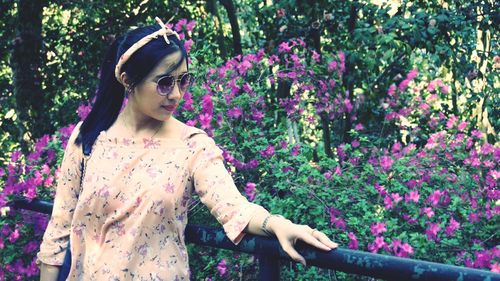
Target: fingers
{"x":325,"y":240}
{"x":308,"y":238}
{"x":290,"y":250}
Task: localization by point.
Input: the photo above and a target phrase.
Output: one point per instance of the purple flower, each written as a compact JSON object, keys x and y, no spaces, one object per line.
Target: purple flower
{"x":434,"y":197}
{"x":250,"y":190}
{"x":452,"y":227}
{"x":295,"y":150}
{"x":207,"y":105}
{"x":412,"y":196}
{"x":403,"y":85}
{"x":284,"y":48}
{"x":222,"y":267}
{"x":386,"y":162}
{"x":432,"y":231}
{"x":205,"y":120}
{"x":391,"y":90}
{"x":353,"y":241}
{"x":412,"y":74}
{"x":14,"y":236}
{"x":378,"y":228}
{"x":332,"y":66}
{"x":268,"y":152}
{"x":235,"y":112}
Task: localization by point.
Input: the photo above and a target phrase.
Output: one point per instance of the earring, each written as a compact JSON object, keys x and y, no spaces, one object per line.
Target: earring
{"x":128,"y":90}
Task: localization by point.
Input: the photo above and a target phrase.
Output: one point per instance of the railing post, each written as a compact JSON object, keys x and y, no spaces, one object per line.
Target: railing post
{"x":269,"y":268}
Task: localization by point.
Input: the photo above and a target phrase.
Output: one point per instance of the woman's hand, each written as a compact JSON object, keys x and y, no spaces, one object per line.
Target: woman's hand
{"x":287,"y":233}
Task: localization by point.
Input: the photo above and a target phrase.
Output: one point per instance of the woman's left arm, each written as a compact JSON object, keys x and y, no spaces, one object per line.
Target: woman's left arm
{"x":288,"y":233}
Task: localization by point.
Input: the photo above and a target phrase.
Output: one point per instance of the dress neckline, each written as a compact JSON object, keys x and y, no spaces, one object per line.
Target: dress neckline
{"x":152,"y":143}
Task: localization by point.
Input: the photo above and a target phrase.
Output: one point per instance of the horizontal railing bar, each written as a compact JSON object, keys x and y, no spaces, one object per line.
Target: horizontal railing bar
{"x":350,"y":261}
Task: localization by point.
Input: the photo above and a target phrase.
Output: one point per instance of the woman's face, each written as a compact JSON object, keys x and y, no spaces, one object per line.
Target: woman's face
{"x":146,"y":100}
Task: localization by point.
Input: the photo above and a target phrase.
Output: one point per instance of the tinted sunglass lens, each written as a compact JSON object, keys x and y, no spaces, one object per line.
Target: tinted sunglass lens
{"x":186,"y":81}
{"x":165,"y":85}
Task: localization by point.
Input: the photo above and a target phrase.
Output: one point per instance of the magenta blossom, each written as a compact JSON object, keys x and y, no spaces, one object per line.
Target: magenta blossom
{"x":250,"y":190}
{"x":222,"y":267}
{"x":412,"y":196}
{"x":268,"y":152}
{"x":378,"y":228}
{"x":452,"y":227}
{"x":432,"y":231}
{"x":386,"y":162}
{"x":353,"y":241}
{"x":235,"y":112}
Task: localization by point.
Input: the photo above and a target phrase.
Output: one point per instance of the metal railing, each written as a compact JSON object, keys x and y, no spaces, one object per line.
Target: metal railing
{"x":270,"y":253}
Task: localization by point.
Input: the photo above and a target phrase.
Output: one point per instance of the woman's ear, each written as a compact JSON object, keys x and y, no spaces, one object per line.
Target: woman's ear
{"x":125,"y":80}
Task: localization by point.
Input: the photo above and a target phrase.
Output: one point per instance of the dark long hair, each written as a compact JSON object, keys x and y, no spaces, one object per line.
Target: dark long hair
{"x":111,"y":93}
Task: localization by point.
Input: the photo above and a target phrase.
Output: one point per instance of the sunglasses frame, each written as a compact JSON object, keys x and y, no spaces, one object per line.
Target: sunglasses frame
{"x":176,"y":81}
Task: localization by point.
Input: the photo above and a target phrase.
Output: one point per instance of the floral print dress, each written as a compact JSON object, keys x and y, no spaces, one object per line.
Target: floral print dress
{"x":128,"y":221}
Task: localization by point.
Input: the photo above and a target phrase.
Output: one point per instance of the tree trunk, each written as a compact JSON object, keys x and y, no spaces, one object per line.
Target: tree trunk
{"x":212,"y":9}
{"x":25,"y":64}
{"x":235,"y":28}
{"x":315,"y":35}
{"x":349,"y":67}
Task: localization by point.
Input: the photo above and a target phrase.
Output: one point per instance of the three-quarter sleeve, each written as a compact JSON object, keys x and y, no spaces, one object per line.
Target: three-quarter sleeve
{"x":217,"y":190}
{"x":56,"y":236}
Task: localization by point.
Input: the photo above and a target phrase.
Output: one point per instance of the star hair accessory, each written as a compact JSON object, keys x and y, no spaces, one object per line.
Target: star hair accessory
{"x":163,"y":31}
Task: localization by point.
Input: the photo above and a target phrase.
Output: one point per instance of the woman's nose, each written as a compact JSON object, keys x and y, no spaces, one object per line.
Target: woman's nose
{"x":175,"y":94}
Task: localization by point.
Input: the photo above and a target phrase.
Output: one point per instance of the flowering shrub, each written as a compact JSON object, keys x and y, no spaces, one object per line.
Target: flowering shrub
{"x":427,"y":191}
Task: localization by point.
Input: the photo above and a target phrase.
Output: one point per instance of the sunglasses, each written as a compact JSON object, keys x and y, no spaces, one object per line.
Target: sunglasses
{"x":165,"y":85}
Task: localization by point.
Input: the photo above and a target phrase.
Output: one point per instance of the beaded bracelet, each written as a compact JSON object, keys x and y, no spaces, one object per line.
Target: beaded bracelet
{"x":264,"y":224}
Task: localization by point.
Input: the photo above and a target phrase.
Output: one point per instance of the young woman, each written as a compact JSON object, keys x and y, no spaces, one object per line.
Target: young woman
{"x":125,"y":211}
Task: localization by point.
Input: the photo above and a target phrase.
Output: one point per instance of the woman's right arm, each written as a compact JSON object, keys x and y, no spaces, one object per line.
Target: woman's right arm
{"x":56,"y":236}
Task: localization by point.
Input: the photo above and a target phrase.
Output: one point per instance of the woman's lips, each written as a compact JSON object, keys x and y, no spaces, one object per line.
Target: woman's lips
{"x":169,"y":107}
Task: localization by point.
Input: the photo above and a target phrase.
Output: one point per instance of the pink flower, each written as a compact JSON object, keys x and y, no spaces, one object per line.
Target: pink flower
{"x":412,"y":74}
{"x":386,"y":162}
{"x":406,"y":250}
{"x":396,"y":197}
{"x":428,"y":212}
{"x":359,"y":127}
{"x":257,"y":115}
{"x":378,"y":228}
{"x":316,"y":57}
{"x":377,"y":244}
{"x":388,"y":202}
{"x":462,"y":126}
{"x":295,"y":150}
{"x":353,"y":241}
{"x":250,"y":190}
{"x":412,"y":196}
{"x":235,"y":112}
{"x":268,"y":152}
{"x":14,"y":236}
{"x":207,"y":105}
{"x":452,"y":227}
{"x":332,"y":66}
{"x":391,"y":90}
{"x":205,"y":120}
{"x":222,"y":267}
{"x":474,"y":217}
{"x":434,"y":197}
{"x":402,"y":86}
{"x":355,"y":143}
{"x":338,"y":171}
{"x":284,"y":48}
{"x":432,"y":231}
{"x":495,"y":267}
